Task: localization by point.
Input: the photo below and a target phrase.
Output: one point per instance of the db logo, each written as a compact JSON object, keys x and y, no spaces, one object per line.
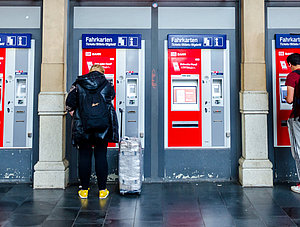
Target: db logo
{"x":173,"y":54}
{"x":89,"y":64}
{"x":283,"y":65}
{"x":281,"y":53}
{"x":88,"y":54}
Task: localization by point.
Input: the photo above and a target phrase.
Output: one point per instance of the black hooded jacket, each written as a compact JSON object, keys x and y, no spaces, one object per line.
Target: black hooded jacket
{"x":92,"y":81}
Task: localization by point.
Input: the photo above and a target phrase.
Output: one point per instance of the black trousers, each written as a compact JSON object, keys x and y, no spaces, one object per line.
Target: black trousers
{"x":85,"y":163}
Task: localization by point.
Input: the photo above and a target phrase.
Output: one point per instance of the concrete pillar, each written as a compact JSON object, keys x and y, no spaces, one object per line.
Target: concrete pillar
{"x":255,"y":169}
{"x":52,"y":169}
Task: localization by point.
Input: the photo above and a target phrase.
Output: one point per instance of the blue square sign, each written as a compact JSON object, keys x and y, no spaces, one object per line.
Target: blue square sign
{"x":15,"y":40}
{"x":11,"y":40}
{"x":218,"y":41}
{"x":22,"y":41}
{"x":133,"y":42}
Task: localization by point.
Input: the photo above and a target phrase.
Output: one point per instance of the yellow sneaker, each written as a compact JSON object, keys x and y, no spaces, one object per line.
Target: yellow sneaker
{"x":103,"y":194}
{"x":83,"y":193}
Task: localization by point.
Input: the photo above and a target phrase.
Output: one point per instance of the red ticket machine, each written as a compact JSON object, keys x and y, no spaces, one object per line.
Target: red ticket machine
{"x":184,"y":108}
{"x":197,"y":107}
{"x":2,"y":78}
{"x":16,"y":90}
{"x":122,"y":57}
{"x":281,"y":109}
{"x":104,"y":57}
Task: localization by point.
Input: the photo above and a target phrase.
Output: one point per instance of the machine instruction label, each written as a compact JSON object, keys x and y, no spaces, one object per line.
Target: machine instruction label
{"x":14,"y":40}
{"x":114,"y":41}
{"x":287,"y":41}
{"x":213,"y":41}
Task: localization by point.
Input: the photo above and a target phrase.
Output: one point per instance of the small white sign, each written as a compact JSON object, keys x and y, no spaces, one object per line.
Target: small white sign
{"x":122,"y":41}
{"x":218,"y":42}
{"x":11,"y":41}
{"x":207,"y":41}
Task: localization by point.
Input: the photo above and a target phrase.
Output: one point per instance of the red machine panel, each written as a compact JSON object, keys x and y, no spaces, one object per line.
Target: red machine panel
{"x":104,"y":57}
{"x":184,"y":92}
{"x":2,"y":87}
{"x":283,"y":109}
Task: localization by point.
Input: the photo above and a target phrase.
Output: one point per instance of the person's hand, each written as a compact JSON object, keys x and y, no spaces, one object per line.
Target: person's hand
{"x":71,"y":113}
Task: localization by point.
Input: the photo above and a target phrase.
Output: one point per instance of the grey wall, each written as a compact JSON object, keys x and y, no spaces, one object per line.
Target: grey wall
{"x":160,"y":163}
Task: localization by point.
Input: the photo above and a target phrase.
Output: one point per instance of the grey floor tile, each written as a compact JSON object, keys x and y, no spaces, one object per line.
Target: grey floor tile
{"x":119,"y":222}
{"x":87,"y":225}
{"x":46,"y":195}
{"x":35,"y":207}
{"x":117,"y":213}
{"x":57,"y":223}
{"x":249,"y":223}
{"x":296,"y":221}
{"x":236,"y":200}
{"x":151,"y":203}
{"x":181,"y":205}
{"x":90,"y":217}
{"x":292,"y":212}
{"x":183,"y":219}
{"x":26,"y":220}
{"x":278,"y":221}
{"x":213,"y":210}
{"x":19,"y":199}
{"x":269,"y":210}
{"x":64,"y":213}
{"x":210,"y":201}
{"x":5,"y":188}
{"x":4,"y":216}
{"x":8,"y":206}
{"x":95,"y":204}
{"x":139,"y":223}
{"x":243,"y":213}
{"x":213,"y":221}
{"x":123,"y":201}
{"x":70,"y":202}
{"x":149,"y":214}
{"x":167,"y":204}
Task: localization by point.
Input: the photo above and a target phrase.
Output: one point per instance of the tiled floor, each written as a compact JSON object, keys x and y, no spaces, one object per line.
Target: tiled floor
{"x":167,"y":204}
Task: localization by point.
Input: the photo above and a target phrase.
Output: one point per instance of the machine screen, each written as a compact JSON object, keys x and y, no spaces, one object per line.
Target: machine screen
{"x":185,"y":95}
{"x":283,"y":90}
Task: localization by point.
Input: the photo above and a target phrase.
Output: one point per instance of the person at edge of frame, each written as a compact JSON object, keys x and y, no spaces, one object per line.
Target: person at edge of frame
{"x":293,"y":122}
{"x":88,"y":143}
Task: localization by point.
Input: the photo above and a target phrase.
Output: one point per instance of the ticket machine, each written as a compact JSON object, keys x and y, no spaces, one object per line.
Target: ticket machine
{"x":123,"y":58}
{"x":16,"y":90}
{"x":197,"y":106}
{"x":283,"y":46}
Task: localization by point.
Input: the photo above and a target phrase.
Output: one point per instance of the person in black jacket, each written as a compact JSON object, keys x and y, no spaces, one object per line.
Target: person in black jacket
{"x":92,"y":141}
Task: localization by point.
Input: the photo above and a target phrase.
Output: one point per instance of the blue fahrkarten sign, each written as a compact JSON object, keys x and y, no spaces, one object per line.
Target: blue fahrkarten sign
{"x":125,"y":41}
{"x":287,"y":41}
{"x":197,"y":41}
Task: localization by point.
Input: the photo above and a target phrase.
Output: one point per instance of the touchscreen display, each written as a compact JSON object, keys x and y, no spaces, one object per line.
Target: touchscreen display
{"x":185,"y":95}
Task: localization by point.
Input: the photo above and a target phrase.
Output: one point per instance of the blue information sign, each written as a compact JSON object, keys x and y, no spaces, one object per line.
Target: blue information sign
{"x":125,"y":41}
{"x":197,"y":41}
{"x":14,"y":40}
{"x":287,"y":41}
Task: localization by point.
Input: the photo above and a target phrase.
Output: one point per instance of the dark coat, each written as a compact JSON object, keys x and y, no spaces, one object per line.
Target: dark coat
{"x":92,"y":81}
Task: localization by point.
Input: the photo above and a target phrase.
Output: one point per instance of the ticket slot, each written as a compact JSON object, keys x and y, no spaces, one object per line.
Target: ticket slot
{"x":185,"y":124}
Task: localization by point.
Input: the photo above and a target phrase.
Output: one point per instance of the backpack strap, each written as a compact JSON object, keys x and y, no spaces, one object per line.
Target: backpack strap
{"x":296,"y":99}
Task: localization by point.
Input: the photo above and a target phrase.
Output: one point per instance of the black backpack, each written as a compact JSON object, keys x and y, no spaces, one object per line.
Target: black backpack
{"x":93,"y":110}
{"x":296,"y":101}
